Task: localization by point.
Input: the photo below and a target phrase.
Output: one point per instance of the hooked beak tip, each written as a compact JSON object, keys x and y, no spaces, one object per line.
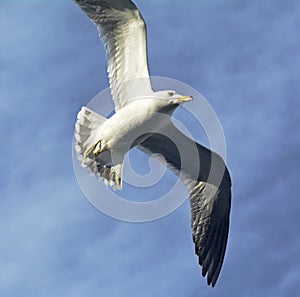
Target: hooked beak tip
{"x":186,"y":98}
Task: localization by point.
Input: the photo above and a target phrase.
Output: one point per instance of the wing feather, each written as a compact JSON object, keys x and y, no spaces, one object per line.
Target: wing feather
{"x":123,"y":32}
{"x":209,"y":186}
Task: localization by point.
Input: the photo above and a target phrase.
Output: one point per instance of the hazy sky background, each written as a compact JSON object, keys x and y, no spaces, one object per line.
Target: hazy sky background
{"x":243,"y":57}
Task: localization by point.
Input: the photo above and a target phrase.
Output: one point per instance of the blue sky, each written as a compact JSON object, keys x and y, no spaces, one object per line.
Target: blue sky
{"x":243,"y":57}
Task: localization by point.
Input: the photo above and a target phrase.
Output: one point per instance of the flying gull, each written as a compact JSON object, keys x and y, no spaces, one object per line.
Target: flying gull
{"x":143,"y":120}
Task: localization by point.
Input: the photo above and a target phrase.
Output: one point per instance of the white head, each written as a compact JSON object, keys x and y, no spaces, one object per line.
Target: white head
{"x":172,"y":97}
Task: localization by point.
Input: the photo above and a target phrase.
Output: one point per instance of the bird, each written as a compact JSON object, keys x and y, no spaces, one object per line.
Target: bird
{"x":143,"y":119}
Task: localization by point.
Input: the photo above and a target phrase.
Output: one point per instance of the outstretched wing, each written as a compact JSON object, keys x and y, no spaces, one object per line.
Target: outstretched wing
{"x":123,"y":32}
{"x":208,"y":181}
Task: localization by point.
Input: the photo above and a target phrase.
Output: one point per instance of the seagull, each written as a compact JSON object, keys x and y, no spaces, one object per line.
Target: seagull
{"x":142,"y":119}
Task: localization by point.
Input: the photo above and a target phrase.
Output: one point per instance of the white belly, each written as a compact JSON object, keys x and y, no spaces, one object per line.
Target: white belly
{"x":129,"y":126}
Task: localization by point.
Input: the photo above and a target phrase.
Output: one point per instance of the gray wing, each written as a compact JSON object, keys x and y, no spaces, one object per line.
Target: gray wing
{"x":123,"y":32}
{"x":208,"y":181}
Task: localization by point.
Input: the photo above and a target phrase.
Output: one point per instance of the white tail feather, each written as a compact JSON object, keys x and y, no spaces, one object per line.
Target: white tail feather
{"x":87,"y":130}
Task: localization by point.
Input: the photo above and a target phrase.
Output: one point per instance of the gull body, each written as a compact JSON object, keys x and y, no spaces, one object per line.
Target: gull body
{"x":122,"y":132}
{"x":142,"y":119}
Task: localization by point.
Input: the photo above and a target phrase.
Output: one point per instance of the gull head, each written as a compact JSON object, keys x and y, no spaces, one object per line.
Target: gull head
{"x":173,"y":98}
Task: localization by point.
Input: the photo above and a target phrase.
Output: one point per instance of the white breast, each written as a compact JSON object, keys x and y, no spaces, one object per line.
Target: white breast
{"x":131,"y":122}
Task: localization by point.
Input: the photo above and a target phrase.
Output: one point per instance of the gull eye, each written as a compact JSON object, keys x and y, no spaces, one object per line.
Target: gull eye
{"x":171,"y":94}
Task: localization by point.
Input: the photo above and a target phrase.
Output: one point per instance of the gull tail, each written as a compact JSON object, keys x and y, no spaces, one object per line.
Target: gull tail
{"x":101,"y":163}
{"x":86,"y":129}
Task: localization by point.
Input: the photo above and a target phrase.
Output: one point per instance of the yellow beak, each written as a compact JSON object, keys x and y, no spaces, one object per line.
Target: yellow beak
{"x":185,"y":98}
